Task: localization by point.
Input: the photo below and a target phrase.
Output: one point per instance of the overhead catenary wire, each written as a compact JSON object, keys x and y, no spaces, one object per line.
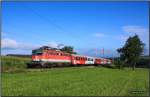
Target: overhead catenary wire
{"x":49,"y":21}
{"x":42,"y":18}
{"x":45,"y":19}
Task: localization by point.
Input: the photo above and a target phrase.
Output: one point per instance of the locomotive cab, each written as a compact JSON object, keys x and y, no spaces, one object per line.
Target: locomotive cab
{"x":37,"y":55}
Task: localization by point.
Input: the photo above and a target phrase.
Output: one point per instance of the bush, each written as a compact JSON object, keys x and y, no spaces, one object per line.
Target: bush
{"x":13,"y":63}
{"x":119,"y":64}
{"x":143,"y":62}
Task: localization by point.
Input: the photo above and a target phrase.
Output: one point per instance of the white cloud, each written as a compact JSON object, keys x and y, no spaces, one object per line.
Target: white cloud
{"x":11,"y":46}
{"x":9,"y":43}
{"x":141,"y":31}
{"x":122,"y":37}
{"x":99,"y":35}
{"x":53,"y":44}
{"x":135,"y":29}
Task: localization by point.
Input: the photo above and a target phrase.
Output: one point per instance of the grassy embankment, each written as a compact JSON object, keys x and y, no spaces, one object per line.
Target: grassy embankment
{"x":13,"y":64}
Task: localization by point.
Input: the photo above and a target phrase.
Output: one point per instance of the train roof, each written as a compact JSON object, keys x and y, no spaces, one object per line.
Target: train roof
{"x":79,"y":55}
{"x":88,"y":56}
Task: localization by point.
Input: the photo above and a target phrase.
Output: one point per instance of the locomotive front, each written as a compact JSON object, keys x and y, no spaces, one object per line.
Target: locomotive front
{"x":37,"y":55}
{"x":36,"y":58}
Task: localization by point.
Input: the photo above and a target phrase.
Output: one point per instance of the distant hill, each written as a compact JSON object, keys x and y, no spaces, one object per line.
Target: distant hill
{"x":19,"y":55}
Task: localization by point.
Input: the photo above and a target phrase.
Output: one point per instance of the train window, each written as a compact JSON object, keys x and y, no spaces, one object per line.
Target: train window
{"x":76,"y":58}
{"x":91,"y":59}
{"x":88,"y":59}
{"x":82,"y":58}
{"x":38,"y":53}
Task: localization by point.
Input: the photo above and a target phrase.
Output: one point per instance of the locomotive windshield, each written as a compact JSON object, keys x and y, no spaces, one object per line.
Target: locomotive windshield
{"x":40,"y":50}
{"x":37,"y":52}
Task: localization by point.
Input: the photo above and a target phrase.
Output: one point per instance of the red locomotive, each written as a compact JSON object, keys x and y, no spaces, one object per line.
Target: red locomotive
{"x":49,"y":57}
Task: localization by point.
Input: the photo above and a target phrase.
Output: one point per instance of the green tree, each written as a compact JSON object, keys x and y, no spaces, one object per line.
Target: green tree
{"x":131,"y":51}
{"x":68,"y":49}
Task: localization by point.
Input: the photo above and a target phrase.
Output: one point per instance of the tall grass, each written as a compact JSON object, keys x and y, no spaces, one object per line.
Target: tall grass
{"x":11,"y":64}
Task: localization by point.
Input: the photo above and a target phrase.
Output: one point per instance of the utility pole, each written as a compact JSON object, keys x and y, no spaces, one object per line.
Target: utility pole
{"x":103,"y":52}
{"x":103,"y":55}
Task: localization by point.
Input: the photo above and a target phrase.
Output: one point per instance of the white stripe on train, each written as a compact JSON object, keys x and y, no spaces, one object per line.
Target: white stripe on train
{"x":51,"y":60}
{"x":56,"y":60}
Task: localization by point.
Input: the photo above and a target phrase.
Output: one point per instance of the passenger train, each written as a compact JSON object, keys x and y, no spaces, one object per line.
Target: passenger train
{"x":49,"y":57}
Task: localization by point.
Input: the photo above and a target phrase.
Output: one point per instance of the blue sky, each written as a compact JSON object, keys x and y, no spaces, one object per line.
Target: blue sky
{"x":87,"y":26}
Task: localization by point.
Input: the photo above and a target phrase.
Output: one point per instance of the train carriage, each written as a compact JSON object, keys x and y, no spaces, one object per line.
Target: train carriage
{"x":79,"y":59}
{"x":53,"y":57}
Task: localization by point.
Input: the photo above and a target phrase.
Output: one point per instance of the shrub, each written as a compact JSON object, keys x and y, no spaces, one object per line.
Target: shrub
{"x":119,"y":64}
{"x":13,"y":63}
{"x":143,"y":62}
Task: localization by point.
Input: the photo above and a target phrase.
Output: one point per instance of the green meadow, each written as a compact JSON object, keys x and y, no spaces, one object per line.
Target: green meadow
{"x":76,"y":81}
